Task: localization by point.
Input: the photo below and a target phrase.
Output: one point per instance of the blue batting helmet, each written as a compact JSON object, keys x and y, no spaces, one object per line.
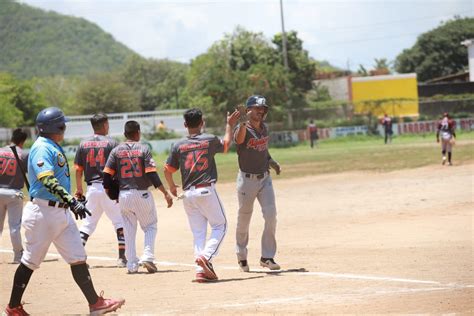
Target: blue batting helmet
{"x":256,"y":100}
{"x":51,"y":121}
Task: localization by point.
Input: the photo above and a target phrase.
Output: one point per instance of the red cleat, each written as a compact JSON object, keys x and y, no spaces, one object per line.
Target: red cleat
{"x":207,"y":266}
{"x":16,"y":311}
{"x":201,"y":278}
{"x":105,"y":305}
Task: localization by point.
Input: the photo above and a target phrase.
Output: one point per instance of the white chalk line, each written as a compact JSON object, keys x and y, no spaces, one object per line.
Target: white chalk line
{"x":335,"y":298}
{"x":309,"y":273}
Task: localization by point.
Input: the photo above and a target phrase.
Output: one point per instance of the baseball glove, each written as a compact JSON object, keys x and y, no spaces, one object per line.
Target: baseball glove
{"x":243,"y":118}
{"x":452,"y":141}
{"x":114,"y":190}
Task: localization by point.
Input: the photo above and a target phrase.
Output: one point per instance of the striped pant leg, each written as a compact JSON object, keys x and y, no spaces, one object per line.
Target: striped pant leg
{"x":130,"y":228}
{"x":147,"y":217}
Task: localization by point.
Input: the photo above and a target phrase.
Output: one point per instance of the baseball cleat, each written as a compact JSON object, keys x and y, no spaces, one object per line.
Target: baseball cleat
{"x":244,"y":266}
{"x":269,"y":263}
{"x":207,"y":266}
{"x":105,"y":305}
{"x":150,"y":266}
{"x":121,"y":262}
{"x":16,"y":311}
{"x":202,"y":278}
{"x":444,"y":160}
{"x":133,"y":269}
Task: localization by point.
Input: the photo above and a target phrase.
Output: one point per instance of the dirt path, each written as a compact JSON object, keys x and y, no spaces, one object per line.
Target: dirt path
{"x":398,"y":242}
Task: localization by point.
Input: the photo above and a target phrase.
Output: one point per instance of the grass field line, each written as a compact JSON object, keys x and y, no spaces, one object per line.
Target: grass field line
{"x":307,"y":273}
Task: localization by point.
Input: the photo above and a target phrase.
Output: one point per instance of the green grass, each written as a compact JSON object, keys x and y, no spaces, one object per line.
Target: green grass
{"x":357,"y":153}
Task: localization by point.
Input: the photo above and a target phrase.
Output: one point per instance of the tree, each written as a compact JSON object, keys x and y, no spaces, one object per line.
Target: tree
{"x":302,"y":68}
{"x":60,"y":91}
{"x":381,"y":67}
{"x":19,"y":102}
{"x":11,"y":116}
{"x":245,"y":63}
{"x":106,"y":93}
{"x":157,"y":82}
{"x":438,"y":52}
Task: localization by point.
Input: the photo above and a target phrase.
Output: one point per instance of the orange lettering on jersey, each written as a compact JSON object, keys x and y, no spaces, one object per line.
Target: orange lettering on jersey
{"x":95,"y":144}
{"x":188,"y":147}
{"x":129,"y":153}
{"x":259,"y":144}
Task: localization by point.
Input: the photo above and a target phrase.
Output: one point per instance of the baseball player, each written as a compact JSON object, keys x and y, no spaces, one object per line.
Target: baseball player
{"x":446,"y":127}
{"x":387,"y":125}
{"x":90,"y":160}
{"x":133,"y":165}
{"x":312,"y":133}
{"x":11,"y":194}
{"x":194,"y":155}
{"x":254,"y":182}
{"x":46,"y":219}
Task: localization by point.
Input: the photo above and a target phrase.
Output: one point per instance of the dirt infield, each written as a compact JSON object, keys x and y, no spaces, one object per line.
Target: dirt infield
{"x":398,"y":242}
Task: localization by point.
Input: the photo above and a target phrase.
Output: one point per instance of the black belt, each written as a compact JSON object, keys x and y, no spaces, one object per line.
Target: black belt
{"x":58,"y":204}
{"x":202,"y":185}
{"x":91,"y":183}
{"x":258,"y":176}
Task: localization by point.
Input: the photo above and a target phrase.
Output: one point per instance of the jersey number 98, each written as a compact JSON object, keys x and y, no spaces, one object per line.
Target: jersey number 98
{"x":7,"y":166}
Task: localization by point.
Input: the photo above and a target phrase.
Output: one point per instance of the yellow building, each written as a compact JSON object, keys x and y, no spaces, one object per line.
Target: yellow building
{"x":396,"y":95}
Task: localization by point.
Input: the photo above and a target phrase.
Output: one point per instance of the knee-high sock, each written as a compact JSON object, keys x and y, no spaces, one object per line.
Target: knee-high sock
{"x":20,"y":281}
{"x":81,"y":275}
{"x":121,"y":242}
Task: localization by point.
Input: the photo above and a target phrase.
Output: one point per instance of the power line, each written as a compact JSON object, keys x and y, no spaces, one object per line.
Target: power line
{"x":395,"y":21}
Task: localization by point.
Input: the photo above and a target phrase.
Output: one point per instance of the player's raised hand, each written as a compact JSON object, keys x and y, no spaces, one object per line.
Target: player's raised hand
{"x":233,"y":117}
{"x":243,"y":116}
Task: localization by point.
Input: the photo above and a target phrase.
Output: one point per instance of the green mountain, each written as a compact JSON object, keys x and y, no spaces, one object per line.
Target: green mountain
{"x":34,"y":42}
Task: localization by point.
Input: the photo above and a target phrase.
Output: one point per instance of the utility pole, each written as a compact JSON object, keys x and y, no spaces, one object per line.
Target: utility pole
{"x":285,"y":63}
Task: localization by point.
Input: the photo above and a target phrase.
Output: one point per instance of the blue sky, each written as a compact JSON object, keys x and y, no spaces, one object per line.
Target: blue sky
{"x":345,"y":33}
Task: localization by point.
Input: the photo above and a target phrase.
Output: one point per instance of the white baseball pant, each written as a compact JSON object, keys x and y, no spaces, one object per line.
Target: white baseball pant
{"x":446,"y":142}
{"x":138,"y":206}
{"x":97,"y":203}
{"x":202,"y":205}
{"x":44,"y":225}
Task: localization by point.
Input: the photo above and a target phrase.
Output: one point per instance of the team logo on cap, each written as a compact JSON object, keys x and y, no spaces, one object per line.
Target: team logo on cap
{"x":260,"y":101}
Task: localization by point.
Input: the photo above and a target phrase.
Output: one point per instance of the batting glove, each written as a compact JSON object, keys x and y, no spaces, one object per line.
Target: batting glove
{"x":79,"y":209}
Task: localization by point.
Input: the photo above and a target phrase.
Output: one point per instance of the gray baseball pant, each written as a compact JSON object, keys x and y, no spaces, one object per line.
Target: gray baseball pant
{"x":11,"y":201}
{"x":249,"y":188}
